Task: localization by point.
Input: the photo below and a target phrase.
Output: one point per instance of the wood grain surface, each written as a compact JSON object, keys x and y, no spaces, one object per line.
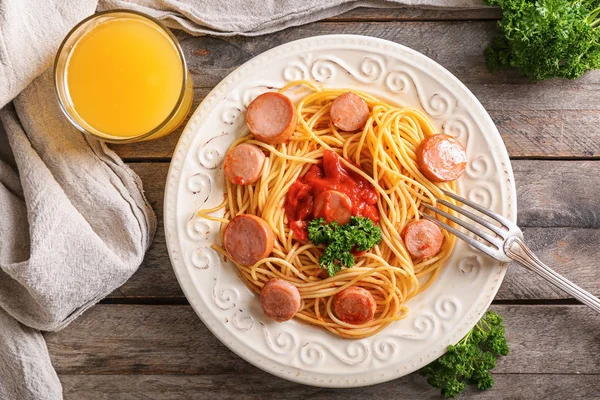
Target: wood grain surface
{"x":551,"y":119}
{"x":167,"y":351}
{"x":145,"y":341}
{"x":156,"y":340}
{"x":561,"y":226}
{"x":528,"y":386}
{"x":261,"y":386}
{"x":472,"y":12}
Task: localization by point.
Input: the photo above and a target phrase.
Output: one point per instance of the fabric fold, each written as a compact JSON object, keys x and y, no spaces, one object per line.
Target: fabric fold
{"x":74,"y":226}
{"x":25,"y":368}
{"x":87,"y":220}
{"x":259,"y":17}
{"x":30,"y":34}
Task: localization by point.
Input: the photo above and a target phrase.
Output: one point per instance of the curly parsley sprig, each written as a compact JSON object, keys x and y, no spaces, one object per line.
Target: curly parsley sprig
{"x":547,"y":38}
{"x":471,"y":359}
{"x":360,"y":234}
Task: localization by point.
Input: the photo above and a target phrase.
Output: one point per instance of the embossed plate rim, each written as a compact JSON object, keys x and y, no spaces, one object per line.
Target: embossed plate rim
{"x":364,"y":375}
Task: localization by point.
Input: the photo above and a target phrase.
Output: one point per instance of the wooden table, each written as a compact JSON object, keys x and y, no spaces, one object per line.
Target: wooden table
{"x":145,"y":341}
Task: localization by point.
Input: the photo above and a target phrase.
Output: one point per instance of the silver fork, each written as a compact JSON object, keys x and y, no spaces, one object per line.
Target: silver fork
{"x":505,"y":245}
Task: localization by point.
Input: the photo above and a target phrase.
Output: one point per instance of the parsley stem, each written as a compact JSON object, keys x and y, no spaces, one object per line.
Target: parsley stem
{"x":592,"y":19}
{"x":485,"y":322}
{"x":466,"y":338}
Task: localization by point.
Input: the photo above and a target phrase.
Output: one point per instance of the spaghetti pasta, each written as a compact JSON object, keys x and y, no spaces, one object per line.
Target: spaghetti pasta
{"x":384,"y":154}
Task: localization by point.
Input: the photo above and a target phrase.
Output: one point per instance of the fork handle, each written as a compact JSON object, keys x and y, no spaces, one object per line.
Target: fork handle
{"x":516,"y":249}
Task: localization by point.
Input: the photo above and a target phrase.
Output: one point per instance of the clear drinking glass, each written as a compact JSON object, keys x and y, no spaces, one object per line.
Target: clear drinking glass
{"x":91,"y":91}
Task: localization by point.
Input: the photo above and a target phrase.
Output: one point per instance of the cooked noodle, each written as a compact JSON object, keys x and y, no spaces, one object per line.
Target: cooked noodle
{"x":383,"y":153}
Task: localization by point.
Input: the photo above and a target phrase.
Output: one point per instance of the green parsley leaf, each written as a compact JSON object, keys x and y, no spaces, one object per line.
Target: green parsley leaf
{"x":319,"y":232}
{"x":546,"y":38}
{"x":471,"y":359}
{"x":359,"y":234}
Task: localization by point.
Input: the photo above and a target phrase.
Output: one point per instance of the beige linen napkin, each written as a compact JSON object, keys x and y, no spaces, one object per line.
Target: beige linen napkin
{"x":74,"y":226}
{"x":74,"y":223}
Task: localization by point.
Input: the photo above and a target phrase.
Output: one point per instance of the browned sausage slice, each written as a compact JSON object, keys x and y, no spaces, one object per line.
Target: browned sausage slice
{"x":272,"y":118}
{"x":423,"y":239}
{"x":354,"y":305}
{"x":349,"y":112}
{"x":248,"y":239}
{"x":243,"y":164}
{"x":333,"y":206}
{"x":441,"y":158}
{"x":280,"y":300}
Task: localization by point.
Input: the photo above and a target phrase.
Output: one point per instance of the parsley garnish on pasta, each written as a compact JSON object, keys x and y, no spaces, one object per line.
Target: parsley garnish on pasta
{"x":360,"y":234}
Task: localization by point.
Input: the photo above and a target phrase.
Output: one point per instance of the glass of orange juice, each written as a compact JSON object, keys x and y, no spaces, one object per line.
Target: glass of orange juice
{"x":121,"y":77}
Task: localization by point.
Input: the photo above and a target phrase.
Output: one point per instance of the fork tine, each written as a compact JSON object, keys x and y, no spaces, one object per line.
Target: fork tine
{"x":478,"y":245}
{"x":494,"y":228}
{"x":490,"y":239}
{"x":479,"y":208}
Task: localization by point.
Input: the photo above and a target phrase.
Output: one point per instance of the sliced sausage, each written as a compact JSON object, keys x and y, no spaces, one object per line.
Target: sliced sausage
{"x":349,"y":112}
{"x":272,"y":118}
{"x":333,"y":206}
{"x":422,"y":238}
{"x":280,"y":300}
{"x":243,"y":164}
{"x":441,"y":158}
{"x":354,"y":305}
{"x":248,"y":239}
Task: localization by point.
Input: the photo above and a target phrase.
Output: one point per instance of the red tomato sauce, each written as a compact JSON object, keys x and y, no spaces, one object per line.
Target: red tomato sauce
{"x":330,"y":174}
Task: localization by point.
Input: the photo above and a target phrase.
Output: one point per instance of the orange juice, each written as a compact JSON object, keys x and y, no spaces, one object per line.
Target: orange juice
{"x":124,"y":78}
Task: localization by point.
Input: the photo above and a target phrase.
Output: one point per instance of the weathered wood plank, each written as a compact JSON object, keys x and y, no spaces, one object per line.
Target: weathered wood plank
{"x":548,"y":133}
{"x":474,"y":12}
{"x":557,"y":193}
{"x":572,"y":252}
{"x":210,"y":59}
{"x":555,"y":118}
{"x":131,"y":339}
{"x":155,"y":277}
{"x":456,"y":45}
{"x":550,"y":194}
{"x":259,"y":386}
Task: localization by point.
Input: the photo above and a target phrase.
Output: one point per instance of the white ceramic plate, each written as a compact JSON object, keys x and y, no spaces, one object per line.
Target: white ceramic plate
{"x":293,"y":350}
